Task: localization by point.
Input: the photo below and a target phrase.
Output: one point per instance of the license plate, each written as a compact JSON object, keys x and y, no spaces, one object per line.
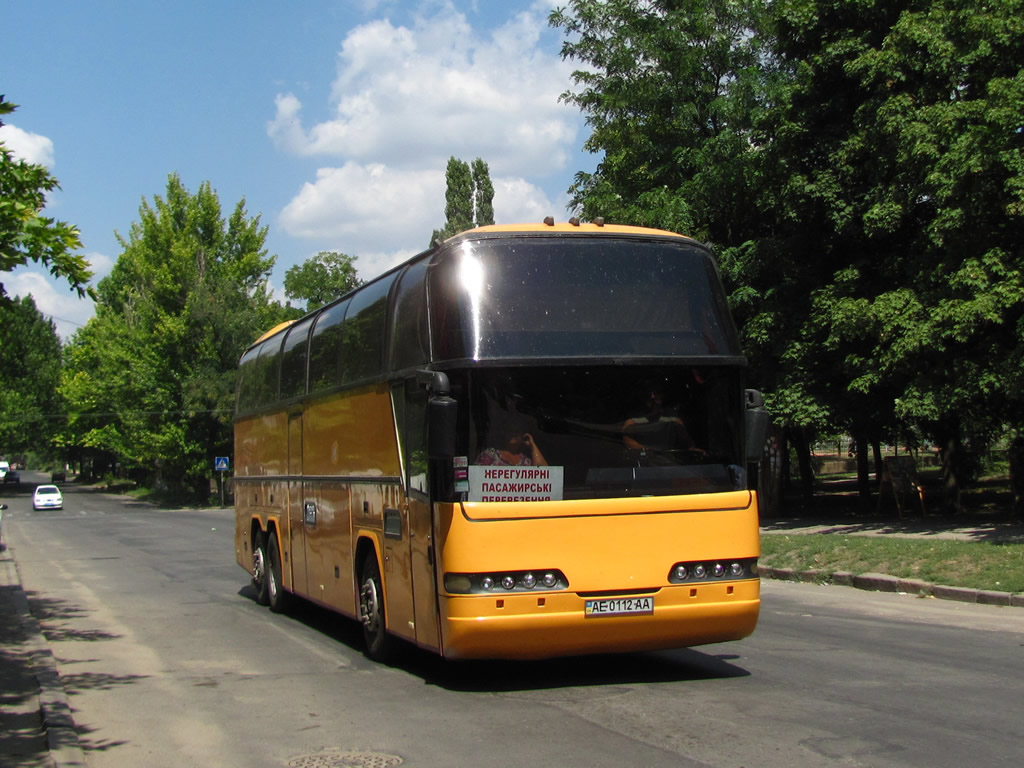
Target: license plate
{"x":619,"y":606}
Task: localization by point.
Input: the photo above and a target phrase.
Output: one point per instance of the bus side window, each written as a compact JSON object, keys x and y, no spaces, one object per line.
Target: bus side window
{"x":247,"y":381}
{"x":293,"y":360}
{"x":409,"y":337}
{"x":325,"y":349}
{"x":364,"y":331}
{"x":416,"y":437}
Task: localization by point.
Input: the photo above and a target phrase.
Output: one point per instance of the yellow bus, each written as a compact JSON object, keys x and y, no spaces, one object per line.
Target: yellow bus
{"x":525,"y":442}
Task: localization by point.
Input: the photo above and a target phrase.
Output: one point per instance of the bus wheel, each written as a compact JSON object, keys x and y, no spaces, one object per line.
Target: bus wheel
{"x":379,"y":645}
{"x":259,"y":569}
{"x":277,"y":598}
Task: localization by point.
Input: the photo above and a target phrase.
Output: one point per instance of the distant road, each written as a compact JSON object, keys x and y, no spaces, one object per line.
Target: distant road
{"x":168,"y":661}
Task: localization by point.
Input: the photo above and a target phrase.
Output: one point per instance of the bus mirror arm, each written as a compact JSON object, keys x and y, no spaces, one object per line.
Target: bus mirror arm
{"x":757,"y":421}
{"x":435,"y":382}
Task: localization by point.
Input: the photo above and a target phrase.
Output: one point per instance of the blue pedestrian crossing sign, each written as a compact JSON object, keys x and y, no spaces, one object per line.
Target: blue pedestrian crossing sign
{"x":220,"y":464}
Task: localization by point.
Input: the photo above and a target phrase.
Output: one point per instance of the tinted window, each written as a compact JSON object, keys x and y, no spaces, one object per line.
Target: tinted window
{"x":257,"y":373}
{"x":603,"y":428}
{"x":578,"y":297}
{"x":293,"y":360}
{"x":325,"y":348}
{"x":246,"y":369}
{"x":364,"y":331}
{"x":409,"y":336}
{"x":267,"y":370}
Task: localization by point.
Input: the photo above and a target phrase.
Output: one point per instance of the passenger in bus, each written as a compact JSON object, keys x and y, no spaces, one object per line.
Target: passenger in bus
{"x":657,"y":429}
{"x":519,"y":449}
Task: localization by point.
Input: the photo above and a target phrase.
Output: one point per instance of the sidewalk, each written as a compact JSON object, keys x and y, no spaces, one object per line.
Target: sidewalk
{"x":36,"y":724}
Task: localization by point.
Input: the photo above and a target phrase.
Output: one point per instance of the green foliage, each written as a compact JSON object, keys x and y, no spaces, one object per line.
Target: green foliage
{"x":483,"y":194}
{"x":148,"y":382}
{"x":30,"y":365}
{"x":321,"y":279}
{"x":860,"y":167}
{"x":669,"y":90}
{"x":469,"y":198}
{"x":25,"y":234}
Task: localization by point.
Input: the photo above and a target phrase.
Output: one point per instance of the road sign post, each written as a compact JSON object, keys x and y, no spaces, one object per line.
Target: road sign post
{"x":221,"y":464}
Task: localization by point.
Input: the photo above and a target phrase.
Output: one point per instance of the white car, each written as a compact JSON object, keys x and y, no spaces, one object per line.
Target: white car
{"x":47,"y":497}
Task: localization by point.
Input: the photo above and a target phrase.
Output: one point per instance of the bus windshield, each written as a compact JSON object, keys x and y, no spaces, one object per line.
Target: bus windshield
{"x":609,"y":431}
{"x":578,"y":297}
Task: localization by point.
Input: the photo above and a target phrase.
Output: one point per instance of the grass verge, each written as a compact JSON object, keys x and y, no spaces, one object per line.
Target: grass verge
{"x":974,"y":564}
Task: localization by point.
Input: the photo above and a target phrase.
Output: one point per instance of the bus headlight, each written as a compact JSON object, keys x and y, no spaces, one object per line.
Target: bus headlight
{"x":705,"y":570}
{"x":509,"y":581}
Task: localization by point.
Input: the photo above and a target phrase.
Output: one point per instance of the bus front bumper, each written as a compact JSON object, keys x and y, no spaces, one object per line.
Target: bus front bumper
{"x":546,"y":625}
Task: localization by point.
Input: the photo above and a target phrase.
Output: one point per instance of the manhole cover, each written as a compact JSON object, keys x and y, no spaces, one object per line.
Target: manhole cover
{"x":338,"y":759}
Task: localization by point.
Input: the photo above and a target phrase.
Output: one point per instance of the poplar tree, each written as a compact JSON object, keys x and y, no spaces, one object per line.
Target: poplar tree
{"x":469,"y":198}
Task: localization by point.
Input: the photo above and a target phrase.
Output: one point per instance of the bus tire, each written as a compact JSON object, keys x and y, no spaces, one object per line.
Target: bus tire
{"x":277,"y":598}
{"x":379,"y":645}
{"x":260,"y":562}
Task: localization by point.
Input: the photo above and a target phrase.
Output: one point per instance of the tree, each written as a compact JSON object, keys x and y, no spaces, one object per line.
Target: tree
{"x":25,"y":234}
{"x":483,"y":194}
{"x":677,"y":95}
{"x":469,"y":198}
{"x":858,"y":165}
{"x":148,"y":382}
{"x":669,"y":90}
{"x":30,"y":365}
{"x":902,"y":137}
{"x":321,"y":279}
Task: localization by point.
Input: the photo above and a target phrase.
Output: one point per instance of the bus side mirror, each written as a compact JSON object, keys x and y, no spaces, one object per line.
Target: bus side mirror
{"x":757,"y":421}
{"x":442,"y":423}
{"x":442,"y":414}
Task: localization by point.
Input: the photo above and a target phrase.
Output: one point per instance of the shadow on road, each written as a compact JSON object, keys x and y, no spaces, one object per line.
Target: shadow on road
{"x":56,"y":619}
{"x":523,"y":676}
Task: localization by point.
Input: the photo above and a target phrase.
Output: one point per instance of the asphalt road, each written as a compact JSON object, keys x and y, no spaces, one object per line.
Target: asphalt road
{"x":167,"y":661}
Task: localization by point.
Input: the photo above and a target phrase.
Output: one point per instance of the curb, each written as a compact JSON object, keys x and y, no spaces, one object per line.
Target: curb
{"x":61,"y":734}
{"x":880,"y":582}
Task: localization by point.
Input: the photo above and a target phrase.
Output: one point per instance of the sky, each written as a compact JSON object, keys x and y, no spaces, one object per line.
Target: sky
{"x":333,"y":119}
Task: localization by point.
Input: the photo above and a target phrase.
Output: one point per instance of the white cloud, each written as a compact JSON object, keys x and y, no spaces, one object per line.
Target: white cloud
{"x":411,"y":97}
{"x":100,"y":265}
{"x":370,"y":265}
{"x":406,"y":98}
{"x":378,"y":213}
{"x":517,"y":200}
{"x":368,"y":207}
{"x":30,"y":147}
{"x":68,"y":311}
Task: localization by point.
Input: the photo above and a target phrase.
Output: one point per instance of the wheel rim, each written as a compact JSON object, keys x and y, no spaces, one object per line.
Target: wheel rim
{"x":369,"y":606}
{"x":259,"y":568}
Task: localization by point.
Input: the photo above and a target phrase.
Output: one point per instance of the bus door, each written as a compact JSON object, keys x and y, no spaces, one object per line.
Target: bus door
{"x":410,"y":403}
{"x":296,"y":546}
